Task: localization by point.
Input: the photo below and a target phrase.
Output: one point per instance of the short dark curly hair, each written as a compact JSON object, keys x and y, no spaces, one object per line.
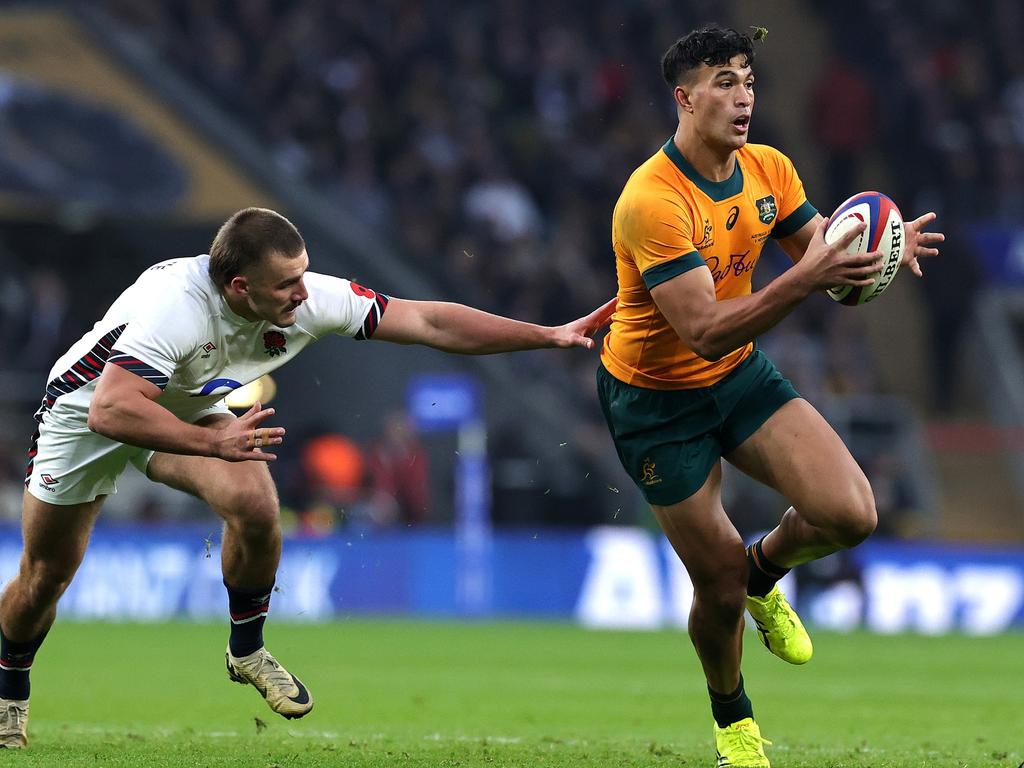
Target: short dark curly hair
{"x":711,"y":45}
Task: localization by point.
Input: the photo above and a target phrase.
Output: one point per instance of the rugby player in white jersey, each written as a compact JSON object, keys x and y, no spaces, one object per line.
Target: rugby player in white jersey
{"x":146,"y":385}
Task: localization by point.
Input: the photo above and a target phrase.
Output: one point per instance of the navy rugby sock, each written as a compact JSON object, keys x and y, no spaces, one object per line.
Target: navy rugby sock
{"x":729,"y":708}
{"x":15,"y":662}
{"x":763,"y":572}
{"x":248,"y":608}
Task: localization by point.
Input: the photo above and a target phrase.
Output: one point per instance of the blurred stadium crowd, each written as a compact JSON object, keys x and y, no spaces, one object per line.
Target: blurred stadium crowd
{"x":490,"y":142}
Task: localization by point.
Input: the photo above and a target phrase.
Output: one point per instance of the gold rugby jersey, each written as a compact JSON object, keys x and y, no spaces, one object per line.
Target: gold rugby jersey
{"x":670,"y":219}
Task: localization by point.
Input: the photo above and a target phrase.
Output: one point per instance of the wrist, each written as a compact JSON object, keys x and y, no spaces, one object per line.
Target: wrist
{"x":799,"y":281}
{"x":212,"y":442}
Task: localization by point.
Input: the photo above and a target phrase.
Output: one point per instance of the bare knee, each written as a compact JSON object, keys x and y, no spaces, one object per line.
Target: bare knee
{"x":722,"y":599}
{"x":253,"y":510}
{"x":858,"y":519}
{"x":44,"y":581}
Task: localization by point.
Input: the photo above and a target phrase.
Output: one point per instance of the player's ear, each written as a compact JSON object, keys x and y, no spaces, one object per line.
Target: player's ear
{"x":239,"y":284}
{"x":681,"y":93}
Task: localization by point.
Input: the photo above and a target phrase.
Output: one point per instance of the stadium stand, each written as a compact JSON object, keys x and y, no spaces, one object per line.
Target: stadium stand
{"x":483,"y":148}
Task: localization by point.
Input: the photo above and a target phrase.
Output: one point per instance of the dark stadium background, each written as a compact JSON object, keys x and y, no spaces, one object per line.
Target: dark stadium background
{"x":473,"y":152}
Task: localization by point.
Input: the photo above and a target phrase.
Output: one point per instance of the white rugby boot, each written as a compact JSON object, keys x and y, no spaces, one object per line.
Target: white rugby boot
{"x":284,"y":692}
{"x":13,"y":723}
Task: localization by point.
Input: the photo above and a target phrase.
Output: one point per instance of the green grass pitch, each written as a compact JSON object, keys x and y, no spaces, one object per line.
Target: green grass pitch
{"x":507,"y":694}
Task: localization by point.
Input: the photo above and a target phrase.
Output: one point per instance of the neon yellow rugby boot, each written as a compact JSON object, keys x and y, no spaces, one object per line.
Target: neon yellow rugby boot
{"x":740,"y":745}
{"x":779,"y":627}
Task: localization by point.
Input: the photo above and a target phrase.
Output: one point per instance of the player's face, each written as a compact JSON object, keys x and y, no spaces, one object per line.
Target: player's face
{"x":276,"y":288}
{"x":723,"y":100}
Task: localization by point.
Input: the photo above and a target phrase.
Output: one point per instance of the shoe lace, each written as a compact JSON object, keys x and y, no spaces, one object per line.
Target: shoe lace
{"x":276,"y":674}
{"x":784,"y":625}
{"x":745,"y":742}
{"x":12,"y":721}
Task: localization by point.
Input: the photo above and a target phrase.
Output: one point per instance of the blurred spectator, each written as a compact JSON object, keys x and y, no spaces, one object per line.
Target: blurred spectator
{"x":898,"y":509}
{"x":398,"y":471}
{"x":848,"y":358}
{"x":358,"y":189}
{"x":504,"y":205}
{"x":34,"y":314}
{"x":843,"y":118}
{"x":45,"y":331}
{"x":953,"y":280}
{"x":801,"y":356}
{"x":333,"y":469}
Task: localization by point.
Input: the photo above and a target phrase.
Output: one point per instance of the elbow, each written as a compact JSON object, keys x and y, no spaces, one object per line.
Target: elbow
{"x":99,"y":417}
{"x":711,"y":354}
{"x":698,"y":333}
{"x":713,"y":344}
{"x":706,"y":347}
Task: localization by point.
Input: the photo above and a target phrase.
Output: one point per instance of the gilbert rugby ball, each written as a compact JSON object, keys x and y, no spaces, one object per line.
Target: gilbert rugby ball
{"x":884,"y":232}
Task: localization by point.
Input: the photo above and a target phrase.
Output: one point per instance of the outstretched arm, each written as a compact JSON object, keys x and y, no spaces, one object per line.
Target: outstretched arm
{"x":458,"y":328}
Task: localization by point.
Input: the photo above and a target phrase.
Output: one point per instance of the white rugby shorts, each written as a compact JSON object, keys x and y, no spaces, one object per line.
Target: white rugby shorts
{"x":73,"y":465}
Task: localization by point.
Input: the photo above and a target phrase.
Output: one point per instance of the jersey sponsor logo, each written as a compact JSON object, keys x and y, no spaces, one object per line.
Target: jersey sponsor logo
{"x":736,"y":267}
{"x":218,"y":387}
{"x":766,"y":209}
{"x":708,"y":238}
{"x":734,"y":213}
{"x":274,"y":343}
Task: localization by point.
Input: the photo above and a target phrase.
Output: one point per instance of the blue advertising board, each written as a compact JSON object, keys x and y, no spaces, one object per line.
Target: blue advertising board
{"x":610,"y":577}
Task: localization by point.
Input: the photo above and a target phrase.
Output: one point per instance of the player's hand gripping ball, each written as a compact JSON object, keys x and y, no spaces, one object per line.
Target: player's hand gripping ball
{"x":884,"y":232}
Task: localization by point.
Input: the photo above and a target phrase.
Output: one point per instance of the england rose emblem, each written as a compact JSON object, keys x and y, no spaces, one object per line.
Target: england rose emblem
{"x":273,"y":343}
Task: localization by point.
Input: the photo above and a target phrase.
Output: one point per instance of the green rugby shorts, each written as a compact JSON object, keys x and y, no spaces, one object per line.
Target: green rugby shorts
{"x":669,"y":440}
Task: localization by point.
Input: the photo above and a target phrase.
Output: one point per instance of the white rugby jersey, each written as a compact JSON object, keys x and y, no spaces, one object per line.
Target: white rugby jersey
{"x":175,"y":329}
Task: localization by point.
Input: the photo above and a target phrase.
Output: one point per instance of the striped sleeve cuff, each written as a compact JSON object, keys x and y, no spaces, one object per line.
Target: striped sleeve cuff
{"x":138,"y":367}
{"x":794,"y":221}
{"x":372,"y":320}
{"x":660,"y":273}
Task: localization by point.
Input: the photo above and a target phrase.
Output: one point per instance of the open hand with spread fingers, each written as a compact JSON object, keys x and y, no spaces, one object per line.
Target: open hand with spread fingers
{"x":244,"y":439}
{"x":919,"y":242}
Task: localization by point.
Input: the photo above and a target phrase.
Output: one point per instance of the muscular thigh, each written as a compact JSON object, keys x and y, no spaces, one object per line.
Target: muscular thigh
{"x":798,"y":454}
{"x":221,"y":484}
{"x":701,"y":533}
{"x":57,"y":533}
